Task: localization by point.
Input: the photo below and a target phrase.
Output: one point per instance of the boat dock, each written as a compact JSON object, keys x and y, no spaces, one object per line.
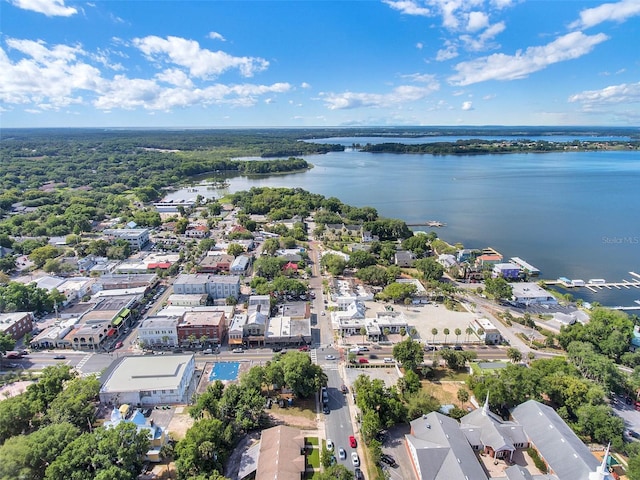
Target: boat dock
{"x":597,"y":284}
{"x":428,"y":223}
{"x":525,"y":266}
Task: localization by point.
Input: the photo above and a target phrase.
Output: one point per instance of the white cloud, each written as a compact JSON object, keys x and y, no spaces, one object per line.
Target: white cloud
{"x":482,"y":41}
{"x":477,"y":21}
{"x":201,"y":63}
{"x":50,"y":8}
{"x":467,"y":106}
{"x":408,"y":7}
{"x":399,"y":95}
{"x":511,"y":67}
{"x":614,"y":94}
{"x":47,"y":75}
{"x":450,"y":51}
{"x":419,"y":45}
{"x":52,"y":77}
{"x":216,"y":36}
{"x":305,"y":85}
{"x":617,"y":12}
{"x":490,"y":96}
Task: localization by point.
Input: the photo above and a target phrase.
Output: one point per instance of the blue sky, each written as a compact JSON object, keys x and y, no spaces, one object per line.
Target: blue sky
{"x":306,"y":63}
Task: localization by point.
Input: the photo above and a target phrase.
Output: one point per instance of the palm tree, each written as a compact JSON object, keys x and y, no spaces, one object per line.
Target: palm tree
{"x":458,"y":332}
{"x":363,"y":332}
{"x":446,"y":333}
{"x":434,"y":332}
{"x":463,"y":396}
{"x":386,"y":332}
{"x":413,"y":332}
{"x":468,"y":331}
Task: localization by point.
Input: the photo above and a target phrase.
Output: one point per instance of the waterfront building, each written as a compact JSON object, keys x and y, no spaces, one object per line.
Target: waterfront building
{"x":530,"y":293}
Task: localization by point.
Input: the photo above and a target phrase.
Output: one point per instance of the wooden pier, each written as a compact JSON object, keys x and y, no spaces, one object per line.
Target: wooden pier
{"x":429,"y":223}
{"x":596,"y":287}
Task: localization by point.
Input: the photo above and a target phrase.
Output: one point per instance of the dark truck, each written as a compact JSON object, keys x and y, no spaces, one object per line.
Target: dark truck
{"x":13,"y":354}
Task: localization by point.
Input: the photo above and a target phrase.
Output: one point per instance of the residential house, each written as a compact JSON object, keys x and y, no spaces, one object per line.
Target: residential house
{"x":281,"y":454}
{"x":404,"y":258}
{"x":157,"y":435}
{"x":508,"y":271}
{"x":196,"y":231}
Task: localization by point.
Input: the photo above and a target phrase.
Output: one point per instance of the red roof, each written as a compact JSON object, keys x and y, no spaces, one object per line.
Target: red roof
{"x":290,"y":266}
{"x":163,"y":265}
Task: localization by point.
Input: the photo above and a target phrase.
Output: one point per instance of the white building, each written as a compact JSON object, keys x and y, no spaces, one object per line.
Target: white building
{"x":239,"y":265}
{"x":216,"y":286}
{"x":487,"y":331}
{"x":156,"y":331}
{"x":531,"y":293}
{"x":149,"y":380}
{"x":135,"y":237}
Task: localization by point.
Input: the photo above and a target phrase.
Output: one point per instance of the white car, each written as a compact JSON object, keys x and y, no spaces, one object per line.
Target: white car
{"x":355,"y":459}
{"x":330,"y":445}
{"x":330,"y":357}
{"x":342,"y":454}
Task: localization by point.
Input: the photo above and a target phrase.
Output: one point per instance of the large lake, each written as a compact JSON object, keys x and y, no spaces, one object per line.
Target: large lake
{"x":572,"y":214}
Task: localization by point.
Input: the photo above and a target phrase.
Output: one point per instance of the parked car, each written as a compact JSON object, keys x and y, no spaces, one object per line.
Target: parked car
{"x":304,"y":348}
{"x":353,"y":442}
{"x":388,"y":459}
{"x":237,"y":350}
{"x":118,"y":345}
{"x":358,"y":474}
{"x":355,"y":459}
{"x":207,"y":351}
{"x":363,"y":360}
{"x":276,"y":349}
{"x":458,"y":347}
{"x":344,"y":389}
{"x":373,"y":356}
{"x":342,"y":453}
{"x":330,"y":445}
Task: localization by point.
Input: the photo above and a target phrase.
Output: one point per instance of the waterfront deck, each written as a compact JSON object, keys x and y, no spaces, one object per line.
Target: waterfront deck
{"x":429,"y":223}
{"x":599,"y":285}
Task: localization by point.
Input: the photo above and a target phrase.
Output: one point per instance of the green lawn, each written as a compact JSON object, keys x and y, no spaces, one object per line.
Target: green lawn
{"x":311,"y":440}
{"x":313,"y":458}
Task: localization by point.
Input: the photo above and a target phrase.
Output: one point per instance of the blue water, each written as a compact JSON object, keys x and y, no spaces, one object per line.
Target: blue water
{"x":572,"y":214}
{"x":224,"y":371}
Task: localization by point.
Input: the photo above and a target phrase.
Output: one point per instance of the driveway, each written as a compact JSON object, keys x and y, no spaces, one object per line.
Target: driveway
{"x":395,"y":446}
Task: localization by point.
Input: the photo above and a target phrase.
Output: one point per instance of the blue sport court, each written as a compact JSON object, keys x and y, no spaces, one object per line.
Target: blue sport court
{"x":224,"y":371}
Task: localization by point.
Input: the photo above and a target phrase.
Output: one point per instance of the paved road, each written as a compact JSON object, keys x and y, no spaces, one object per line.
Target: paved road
{"x":338,"y":424}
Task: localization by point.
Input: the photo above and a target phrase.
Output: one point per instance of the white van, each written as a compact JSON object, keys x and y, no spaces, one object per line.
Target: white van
{"x":388,"y":360}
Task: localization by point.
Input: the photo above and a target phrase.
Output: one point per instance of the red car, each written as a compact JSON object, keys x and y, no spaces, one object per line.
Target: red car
{"x":118,"y":345}
{"x":363,"y":360}
{"x":304,"y":348}
{"x":352,"y":441}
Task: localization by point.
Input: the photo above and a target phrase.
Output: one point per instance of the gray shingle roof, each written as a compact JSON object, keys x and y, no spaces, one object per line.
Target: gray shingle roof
{"x":564,"y":452}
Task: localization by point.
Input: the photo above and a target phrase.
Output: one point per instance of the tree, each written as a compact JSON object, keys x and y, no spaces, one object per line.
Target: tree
{"x":363,"y":332}
{"x":115,"y":453}
{"x":468,"y":331}
{"x":76,"y":404}
{"x":410,"y":383}
{"x":430,"y":268}
{"x":398,"y":291}
{"x":334,"y":264}
{"x":268,"y":267}
{"x":235,"y":249}
{"x":27,"y":456}
{"x":446,"y":334}
{"x":335,"y":472}
{"x":41,"y":254}
{"x":458,"y":332}
{"x":409,"y":353}
{"x":455,"y":359}
{"x":498,"y":288}
{"x":514,"y":354}
{"x":463,"y":396}
{"x":434,"y":332}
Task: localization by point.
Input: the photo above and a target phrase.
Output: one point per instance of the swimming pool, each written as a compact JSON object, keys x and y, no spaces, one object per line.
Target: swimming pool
{"x":224,"y":371}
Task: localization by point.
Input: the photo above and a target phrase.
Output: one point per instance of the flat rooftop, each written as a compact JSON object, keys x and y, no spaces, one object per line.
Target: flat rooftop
{"x":147,"y":372}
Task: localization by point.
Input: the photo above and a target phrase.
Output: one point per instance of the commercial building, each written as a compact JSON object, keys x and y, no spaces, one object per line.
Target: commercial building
{"x":216,"y":286}
{"x":149,"y":380}
{"x":531,"y":293}
{"x":209,"y":325}
{"x":159,"y":331}
{"x":16,"y":324}
{"x":137,"y":238}
{"x":487,"y":331}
